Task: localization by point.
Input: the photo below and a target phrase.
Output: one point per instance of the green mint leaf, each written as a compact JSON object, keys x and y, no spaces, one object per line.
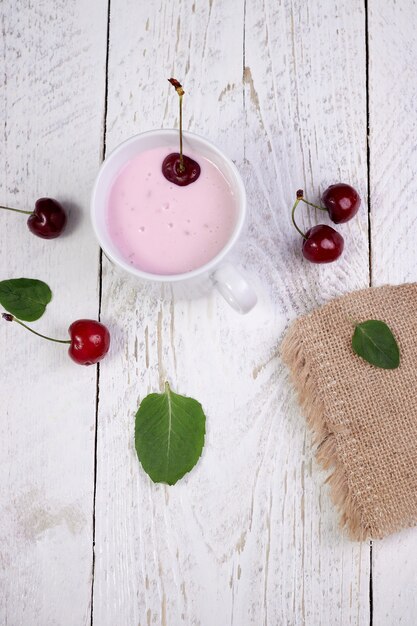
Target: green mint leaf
{"x":374,"y":342}
{"x":25,"y":298}
{"x":169,"y":435}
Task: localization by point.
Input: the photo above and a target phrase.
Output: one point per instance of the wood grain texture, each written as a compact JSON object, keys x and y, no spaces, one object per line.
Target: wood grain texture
{"x":393,"y":143}
{"x":249,"y":537}
{"x":393,"y":185}
{"x":52,"y":73}
{"x":302,"y":132}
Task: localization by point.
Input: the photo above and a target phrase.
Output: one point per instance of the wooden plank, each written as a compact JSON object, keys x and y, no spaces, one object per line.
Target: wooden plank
{"x":52,"y":94}
{"x":393,"y":185}
{"x":249,"y":537}
{"x":302,"y":130}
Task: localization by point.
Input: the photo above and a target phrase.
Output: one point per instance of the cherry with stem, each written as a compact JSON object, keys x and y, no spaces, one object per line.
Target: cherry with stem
{"x":341,"y":201}
{"x":177,"y":167}
{"x":47,"y":220}
{"x":89,"y":343}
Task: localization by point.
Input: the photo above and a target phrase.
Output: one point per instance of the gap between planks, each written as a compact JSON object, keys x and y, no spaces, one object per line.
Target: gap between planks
{"x":100,"y":295}
{"x":368,"y":185}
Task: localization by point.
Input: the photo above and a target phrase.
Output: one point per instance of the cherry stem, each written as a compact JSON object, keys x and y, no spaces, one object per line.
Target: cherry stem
{"x":298,"y":200}
{"x":182,"y":168}
{"x":8,"y":208}
{"x":180,"y":91}
{"x":12,"y":318}
{"x":316,"y":206}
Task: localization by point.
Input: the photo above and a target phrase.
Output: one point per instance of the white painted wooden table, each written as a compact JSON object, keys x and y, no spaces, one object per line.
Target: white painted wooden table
{"x":290,"y":90}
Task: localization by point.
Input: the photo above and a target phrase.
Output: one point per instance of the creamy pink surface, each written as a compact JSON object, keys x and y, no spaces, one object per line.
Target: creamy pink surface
{"x":162,"y":228}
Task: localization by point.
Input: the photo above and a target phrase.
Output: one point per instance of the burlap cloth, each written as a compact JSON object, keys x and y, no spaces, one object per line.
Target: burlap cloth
{"x":364,"y":418}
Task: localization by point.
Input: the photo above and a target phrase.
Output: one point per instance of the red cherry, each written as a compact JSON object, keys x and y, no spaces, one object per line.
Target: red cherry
{"x":48,"y":219}
{"x":322,"y":244}
{"x":171,"y":169}
{"x":342,"y":202}
{"x":90,"y":341}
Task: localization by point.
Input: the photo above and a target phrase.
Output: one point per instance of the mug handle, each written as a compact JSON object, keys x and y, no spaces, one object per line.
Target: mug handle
{"x":234,"y":288}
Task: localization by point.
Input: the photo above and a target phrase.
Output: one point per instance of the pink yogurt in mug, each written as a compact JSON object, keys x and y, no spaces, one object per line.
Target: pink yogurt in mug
{"x":162,"y":228}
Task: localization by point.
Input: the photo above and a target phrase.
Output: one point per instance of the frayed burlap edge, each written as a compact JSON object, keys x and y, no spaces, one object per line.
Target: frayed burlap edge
{"x":327,"y":455}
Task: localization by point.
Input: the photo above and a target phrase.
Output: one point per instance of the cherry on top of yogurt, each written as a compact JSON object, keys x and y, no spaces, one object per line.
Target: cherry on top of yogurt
{"x":177,"y":167}
{"x":171,"y":169}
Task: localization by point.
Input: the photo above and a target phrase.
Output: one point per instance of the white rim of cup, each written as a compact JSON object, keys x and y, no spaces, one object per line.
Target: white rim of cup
{"x":207,"y":267}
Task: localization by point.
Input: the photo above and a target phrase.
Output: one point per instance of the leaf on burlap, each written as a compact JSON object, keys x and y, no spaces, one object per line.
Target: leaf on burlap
{"x":374,"y":342}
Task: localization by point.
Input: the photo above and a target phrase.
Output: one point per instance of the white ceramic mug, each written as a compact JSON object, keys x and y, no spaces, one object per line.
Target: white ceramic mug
{"x":218,"y":272}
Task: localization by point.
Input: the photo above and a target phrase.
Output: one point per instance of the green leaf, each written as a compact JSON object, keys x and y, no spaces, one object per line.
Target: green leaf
{"x":169,"y":435}
{"x":25,"y":298}
{"x":374,"y":342}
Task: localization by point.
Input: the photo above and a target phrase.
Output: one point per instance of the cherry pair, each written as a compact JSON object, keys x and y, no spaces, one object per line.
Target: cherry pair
{"x":322,"y":243}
